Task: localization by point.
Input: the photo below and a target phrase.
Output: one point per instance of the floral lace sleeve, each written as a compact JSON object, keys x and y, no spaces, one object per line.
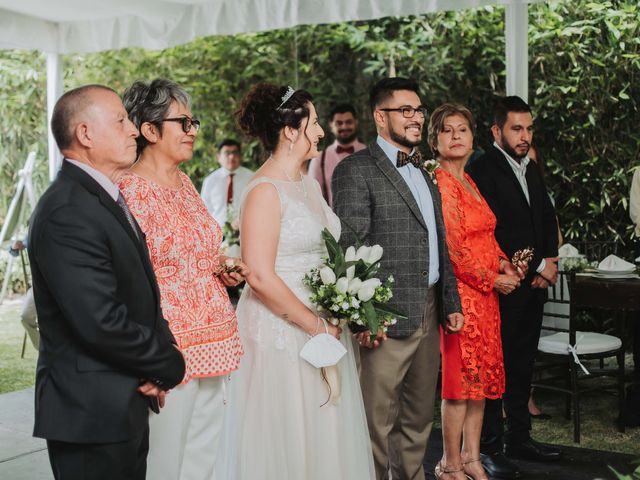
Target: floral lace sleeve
{"x":471,"y":263}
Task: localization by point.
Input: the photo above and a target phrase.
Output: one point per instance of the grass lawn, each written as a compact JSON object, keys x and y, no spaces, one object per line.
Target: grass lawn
{"x":598,"y":411}
{"x":15,"y":373}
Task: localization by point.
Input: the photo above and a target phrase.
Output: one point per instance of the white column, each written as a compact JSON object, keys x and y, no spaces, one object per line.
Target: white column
{"x":54,"y":90}
{"x":516,"y":23}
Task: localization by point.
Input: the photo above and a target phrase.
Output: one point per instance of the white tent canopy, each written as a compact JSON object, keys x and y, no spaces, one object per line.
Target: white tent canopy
{"x":77,"y":26}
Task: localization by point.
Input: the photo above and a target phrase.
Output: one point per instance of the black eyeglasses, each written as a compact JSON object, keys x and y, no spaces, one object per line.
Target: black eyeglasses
{"x":407,"y":112}
{"x":186,"y":122}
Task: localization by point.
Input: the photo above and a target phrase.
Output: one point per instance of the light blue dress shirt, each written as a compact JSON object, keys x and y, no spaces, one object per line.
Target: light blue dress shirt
{"x":418,"y":185}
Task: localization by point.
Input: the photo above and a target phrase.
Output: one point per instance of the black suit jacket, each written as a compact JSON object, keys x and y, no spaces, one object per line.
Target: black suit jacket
{"x":519,"y":224}
{"x":371,"y":197}
{"x":98,"y":304}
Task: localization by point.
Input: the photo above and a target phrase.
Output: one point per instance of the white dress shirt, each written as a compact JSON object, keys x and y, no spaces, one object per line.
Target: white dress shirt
{"x":104,"y":181}
{"x":214,"y":191}
{"x":520,"y":171}
{"x":420,"y":190}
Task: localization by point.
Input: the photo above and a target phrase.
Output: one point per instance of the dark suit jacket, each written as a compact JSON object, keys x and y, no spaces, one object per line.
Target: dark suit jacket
{"x":519,"y":225}
{"x":101,"y":327}
{"x":372,"y":198}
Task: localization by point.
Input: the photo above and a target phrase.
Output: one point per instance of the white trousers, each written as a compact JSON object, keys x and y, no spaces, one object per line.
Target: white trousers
{"x":183,"y":438}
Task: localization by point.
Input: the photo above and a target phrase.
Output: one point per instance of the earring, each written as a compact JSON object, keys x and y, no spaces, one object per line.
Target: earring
{"x":290,"y":147}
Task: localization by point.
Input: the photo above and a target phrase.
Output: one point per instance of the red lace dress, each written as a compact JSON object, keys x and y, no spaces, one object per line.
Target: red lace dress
{"x":184,"y":241}
{"x":472,"y":362}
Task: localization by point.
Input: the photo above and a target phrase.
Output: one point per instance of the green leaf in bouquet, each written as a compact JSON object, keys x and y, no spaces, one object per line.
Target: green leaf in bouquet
{"x":369,"y":270}
{"x":336,"y":255}
{"x":384,"y":309}
{"x":372,"y":318}
{"x":333,"y":248}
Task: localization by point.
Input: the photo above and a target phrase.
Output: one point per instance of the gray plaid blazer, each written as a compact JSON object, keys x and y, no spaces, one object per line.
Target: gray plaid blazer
{"x":375,"y":205}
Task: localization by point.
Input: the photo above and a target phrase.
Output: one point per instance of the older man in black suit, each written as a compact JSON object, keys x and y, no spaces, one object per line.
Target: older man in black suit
{"x":384,"y":194}
{"x":514,"y":190}
{"x":106,"y":352}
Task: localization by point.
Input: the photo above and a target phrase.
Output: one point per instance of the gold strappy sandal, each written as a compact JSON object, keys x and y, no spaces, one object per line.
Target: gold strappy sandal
{"x":440,"y":471}
{"x":468,"y":475}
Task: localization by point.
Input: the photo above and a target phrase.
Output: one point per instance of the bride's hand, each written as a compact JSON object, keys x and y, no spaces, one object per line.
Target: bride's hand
{"x":334,"y":330}
{"x":364,"y":339}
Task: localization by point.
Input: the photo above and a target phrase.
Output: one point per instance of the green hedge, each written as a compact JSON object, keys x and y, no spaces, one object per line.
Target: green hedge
{"x":584,"y":57}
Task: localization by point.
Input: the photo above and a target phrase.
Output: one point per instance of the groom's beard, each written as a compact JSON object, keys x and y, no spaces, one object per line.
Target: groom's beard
{"x":403,"y":140}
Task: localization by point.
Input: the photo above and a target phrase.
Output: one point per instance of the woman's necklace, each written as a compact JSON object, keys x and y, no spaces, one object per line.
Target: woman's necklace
{"x":300,"y":188}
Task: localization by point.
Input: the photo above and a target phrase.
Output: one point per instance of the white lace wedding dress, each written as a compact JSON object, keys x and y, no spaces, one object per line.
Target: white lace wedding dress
{"x":276,"y":427}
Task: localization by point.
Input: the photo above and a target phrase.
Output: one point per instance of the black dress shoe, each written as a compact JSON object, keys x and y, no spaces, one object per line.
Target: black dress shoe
{"x":498,"y":466}
{"x":540,"y":416}
{"x":532,"y":450}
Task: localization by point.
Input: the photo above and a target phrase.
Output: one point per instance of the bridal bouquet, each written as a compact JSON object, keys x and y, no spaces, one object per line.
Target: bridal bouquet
{"x":346,"y":287}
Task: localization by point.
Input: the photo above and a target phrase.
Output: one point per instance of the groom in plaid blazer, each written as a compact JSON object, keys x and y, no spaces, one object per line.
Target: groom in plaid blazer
{"x":383,"y":195}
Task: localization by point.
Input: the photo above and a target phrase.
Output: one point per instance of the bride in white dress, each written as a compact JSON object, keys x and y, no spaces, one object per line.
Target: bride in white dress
{"x":279,"y":424}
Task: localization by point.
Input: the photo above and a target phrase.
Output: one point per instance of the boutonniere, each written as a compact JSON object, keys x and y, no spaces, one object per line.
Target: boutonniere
{"x":430,"y":166}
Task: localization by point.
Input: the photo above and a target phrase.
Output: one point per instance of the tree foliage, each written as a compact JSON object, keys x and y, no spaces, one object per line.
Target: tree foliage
{"x":584,"y":57}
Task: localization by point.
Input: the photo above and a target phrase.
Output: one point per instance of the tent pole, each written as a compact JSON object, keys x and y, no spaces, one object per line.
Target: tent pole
{"x":515,"y":31}
{"x":54,"y":91}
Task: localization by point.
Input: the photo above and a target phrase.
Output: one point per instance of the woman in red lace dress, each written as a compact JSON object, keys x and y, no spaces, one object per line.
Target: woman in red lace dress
{"x":472,"y":363}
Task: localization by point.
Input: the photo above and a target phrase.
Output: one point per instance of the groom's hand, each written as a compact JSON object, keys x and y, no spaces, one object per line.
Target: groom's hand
{"x":364,"y":339}
{"x":454,"y":323}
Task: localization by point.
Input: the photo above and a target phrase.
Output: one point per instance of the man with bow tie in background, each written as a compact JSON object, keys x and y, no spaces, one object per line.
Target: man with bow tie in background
{"x":384,"y":196}
{"x":343,"y":124}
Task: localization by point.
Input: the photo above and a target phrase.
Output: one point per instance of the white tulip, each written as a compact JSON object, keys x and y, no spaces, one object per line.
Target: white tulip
{"x":372,"y":283}
{"x":375,"y":254}
{"x":327,"y":276}
{"x":363,"y":252}
{"x":350,"y":254}
{"x":342,"y":284}
{"x":354,"y":286}
{"x":366,"y":293}
{"x":351,"y":271}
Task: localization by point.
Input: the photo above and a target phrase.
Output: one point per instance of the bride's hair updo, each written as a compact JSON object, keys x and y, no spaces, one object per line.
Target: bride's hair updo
{"x":262,"y":113}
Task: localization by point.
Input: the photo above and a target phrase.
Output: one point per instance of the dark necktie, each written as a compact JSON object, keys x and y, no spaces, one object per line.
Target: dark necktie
{"x":127,"y":213}
{"x":230,"y":188}
{"x":349,"y":150}
{"x":404,"y":158}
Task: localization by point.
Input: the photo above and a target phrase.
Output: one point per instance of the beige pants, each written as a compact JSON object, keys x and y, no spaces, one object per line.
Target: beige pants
{"x":398,"y":382}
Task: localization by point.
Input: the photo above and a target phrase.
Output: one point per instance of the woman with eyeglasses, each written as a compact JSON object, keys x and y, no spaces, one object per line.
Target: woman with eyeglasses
{"x":184,"y":246}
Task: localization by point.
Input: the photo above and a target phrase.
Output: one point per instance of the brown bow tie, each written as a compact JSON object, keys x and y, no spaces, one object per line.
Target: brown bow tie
{"x":404,"y":158}
{"x":341,"y":149}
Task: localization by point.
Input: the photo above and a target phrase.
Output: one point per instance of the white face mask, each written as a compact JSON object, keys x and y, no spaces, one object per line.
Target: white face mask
{"x":323,"y":350}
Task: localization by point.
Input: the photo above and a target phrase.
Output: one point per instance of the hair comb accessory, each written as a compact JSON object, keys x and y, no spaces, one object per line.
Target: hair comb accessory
{"x":287,"y":95}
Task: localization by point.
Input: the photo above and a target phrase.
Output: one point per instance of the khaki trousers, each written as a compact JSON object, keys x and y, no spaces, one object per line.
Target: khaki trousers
{"x":398,"y":382}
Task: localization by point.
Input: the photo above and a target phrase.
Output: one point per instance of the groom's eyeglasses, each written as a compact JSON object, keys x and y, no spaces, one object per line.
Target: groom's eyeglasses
{"x":186,"y":122}
{"x":407,"y":111}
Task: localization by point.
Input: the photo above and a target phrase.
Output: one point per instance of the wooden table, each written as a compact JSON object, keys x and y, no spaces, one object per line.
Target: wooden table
{"x":622,"y":295}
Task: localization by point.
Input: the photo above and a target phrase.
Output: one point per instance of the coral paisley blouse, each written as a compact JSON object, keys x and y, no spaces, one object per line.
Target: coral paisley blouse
{"x":184,"y":241}
{"x":472,"y":361}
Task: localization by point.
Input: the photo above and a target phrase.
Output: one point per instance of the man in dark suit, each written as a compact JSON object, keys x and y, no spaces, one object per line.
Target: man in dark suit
{"x":516,"y":193}
{"x":106,"y":352}
{"x":383,"y":196}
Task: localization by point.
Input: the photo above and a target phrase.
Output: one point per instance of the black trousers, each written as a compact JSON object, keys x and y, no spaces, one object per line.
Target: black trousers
{"x":520,"y":328}
{"x":102,"y":461}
